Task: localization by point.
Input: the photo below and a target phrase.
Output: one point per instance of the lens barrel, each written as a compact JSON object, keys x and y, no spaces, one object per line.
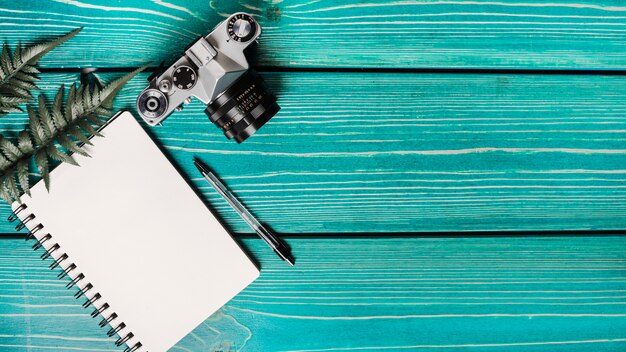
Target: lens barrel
{"x":244,"y":107}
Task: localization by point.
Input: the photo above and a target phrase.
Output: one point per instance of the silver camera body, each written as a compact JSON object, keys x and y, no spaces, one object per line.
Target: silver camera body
{"x":212,"y":67}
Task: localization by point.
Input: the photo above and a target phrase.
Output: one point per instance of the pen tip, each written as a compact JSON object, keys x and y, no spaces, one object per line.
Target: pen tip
{"x":289,"y":259}
{"x":199,"y":165}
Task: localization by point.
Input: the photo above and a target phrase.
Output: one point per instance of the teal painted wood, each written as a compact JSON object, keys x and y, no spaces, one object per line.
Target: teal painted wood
{"x":540,"y":34}
{"x":413,"y":152}
{"x":483,"y":294}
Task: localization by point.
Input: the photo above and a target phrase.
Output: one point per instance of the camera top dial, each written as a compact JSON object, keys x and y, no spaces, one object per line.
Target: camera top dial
{"x":241,"y":27}
{"x":184,"y":77}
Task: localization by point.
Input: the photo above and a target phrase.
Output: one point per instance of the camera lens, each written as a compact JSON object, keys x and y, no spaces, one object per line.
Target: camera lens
{"x":243,"y":108}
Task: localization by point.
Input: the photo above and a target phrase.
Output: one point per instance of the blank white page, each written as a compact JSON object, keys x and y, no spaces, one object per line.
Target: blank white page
{"x":140,"y":235}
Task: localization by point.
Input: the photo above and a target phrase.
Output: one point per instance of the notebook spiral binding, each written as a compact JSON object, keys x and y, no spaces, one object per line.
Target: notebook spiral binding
{"x":53,"y":251}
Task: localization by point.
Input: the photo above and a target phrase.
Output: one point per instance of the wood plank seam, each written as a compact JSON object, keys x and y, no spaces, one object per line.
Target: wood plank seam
{"x":453,"y":71}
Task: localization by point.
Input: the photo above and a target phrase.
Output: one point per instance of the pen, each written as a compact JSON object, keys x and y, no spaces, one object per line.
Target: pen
{"x":279,"y":247}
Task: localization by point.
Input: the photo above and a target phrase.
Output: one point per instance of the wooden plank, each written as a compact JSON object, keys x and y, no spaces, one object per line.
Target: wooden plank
{"x":514,"y":294}
{"x":540,"y":34}
{"x":413,"y":152}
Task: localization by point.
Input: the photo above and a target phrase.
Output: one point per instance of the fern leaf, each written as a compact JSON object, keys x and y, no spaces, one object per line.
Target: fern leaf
{"x":93,"y":119}
{"x":72,"y":110}
{"x":4,"y":193}
{"x":106,"y":95}
{"x":17,"y":71}
{"x":9,"y":108}
{"x":15,"y":92}
{"x":24,"y":144}
{"x":69,"y":145}
{"x":57,"y":112}
{"x":34,"y":53}
{"x":101,"y":111}
{"x":26,"y":86}
{"x":11,"y":186}
{"x":9,"y":149}
{"x":5,"y":60}
{"x":78,"y":135}
{"x":87,"y":98}
{"x":4,"y":163}
{"x":22,"y":176}
{"x":17,"y":56}
{"x":24,"y":76}
{"x":85,"y":126}
{"x":8,"y":100}
{"x":30,"y":69}
{"x":36,"y":130}
{"x":59,"y":155}
{"x":41,"y":160}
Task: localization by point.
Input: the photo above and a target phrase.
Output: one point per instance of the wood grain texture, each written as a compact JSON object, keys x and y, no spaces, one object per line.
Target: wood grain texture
{"x":413,"y":152}
{"x":538,"y":34}
{"x":431,"y":294}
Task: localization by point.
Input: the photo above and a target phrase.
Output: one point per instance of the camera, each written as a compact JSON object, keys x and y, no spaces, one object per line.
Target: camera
{"x":214,"y":69}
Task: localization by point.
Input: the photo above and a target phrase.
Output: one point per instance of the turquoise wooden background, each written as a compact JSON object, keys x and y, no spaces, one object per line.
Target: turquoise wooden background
{"x":432,"y":294}
{"x":303,"y":33}
{"x":498,"y":116}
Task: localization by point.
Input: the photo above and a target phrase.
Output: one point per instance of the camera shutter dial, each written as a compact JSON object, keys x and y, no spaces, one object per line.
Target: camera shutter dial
{"x":184,"y":77}
{"x":241,"y":27}
{"x":152,"y":103}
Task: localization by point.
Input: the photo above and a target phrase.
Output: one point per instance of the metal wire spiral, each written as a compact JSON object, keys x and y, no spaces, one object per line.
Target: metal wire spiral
{"x":110,"y":319}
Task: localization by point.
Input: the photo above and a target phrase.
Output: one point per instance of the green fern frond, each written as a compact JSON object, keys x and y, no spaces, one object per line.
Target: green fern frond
{"x":18,"y":73}
{"x":9,"y":149}
{"x":41,"y":161}
{"x":22,"y":175}
{"x":55,"y":133}
{"x":11,"y":187}
{"x":4,"y":163}
{"x":4,"y":192}
{"x":70,"y":145}
{"x":59,"y":155}
{"x":24,"y":144}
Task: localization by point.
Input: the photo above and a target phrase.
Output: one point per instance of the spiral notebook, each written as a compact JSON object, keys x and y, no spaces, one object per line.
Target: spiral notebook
{"x":149,"y":258}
